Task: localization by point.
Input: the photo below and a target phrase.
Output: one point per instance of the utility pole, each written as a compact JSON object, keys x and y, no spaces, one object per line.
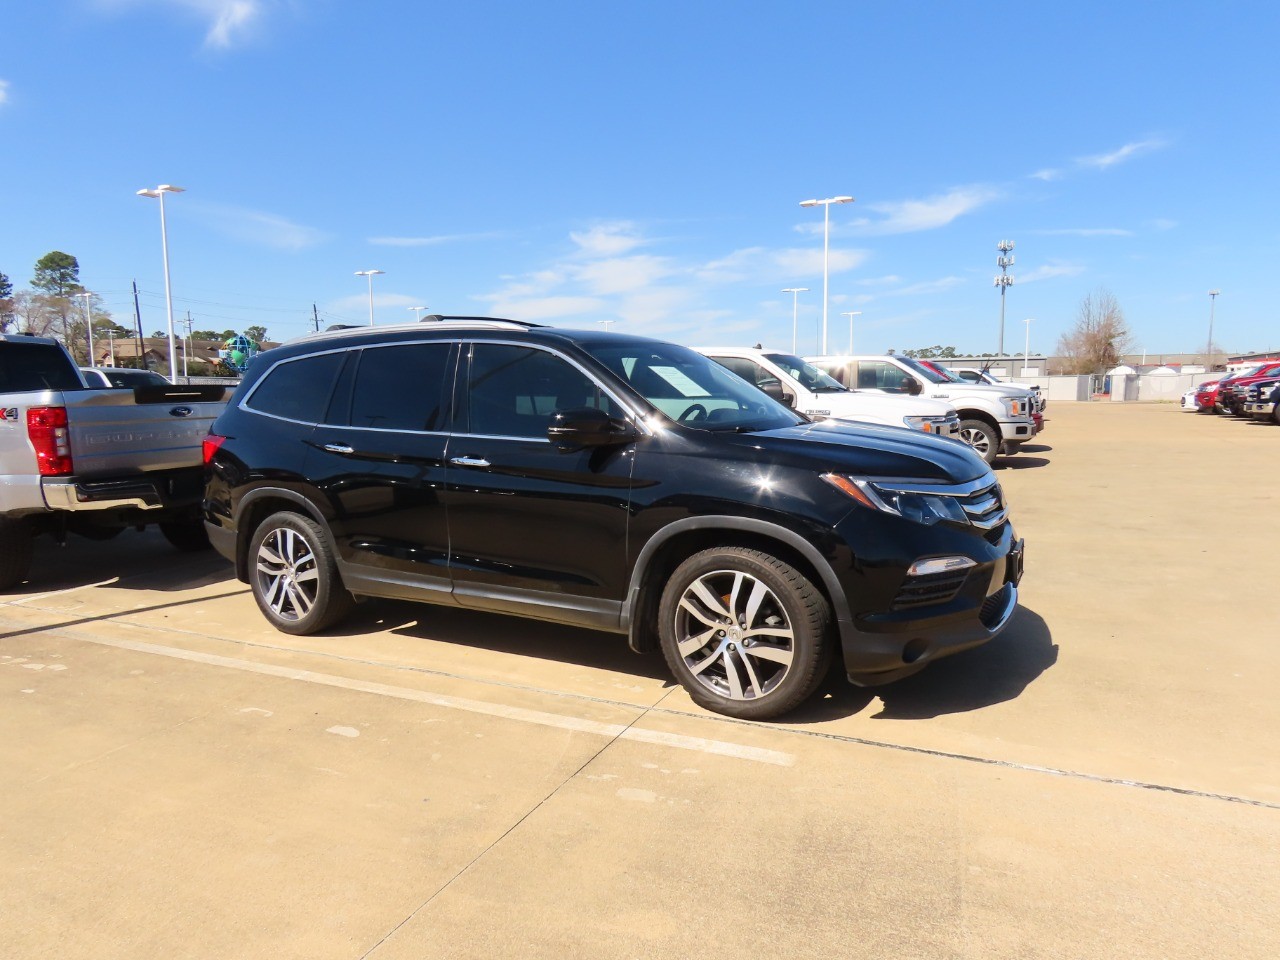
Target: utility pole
{"x":1213,"y":299}
{"x":137,"y":320}
{"x":186,"y":349}
{"x":315,"y":317}
{"x":1004,"y":281}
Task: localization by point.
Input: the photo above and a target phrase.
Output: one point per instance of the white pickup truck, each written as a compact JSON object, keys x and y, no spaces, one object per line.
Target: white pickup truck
{"x":974,"y":375}
{"x":808,"y":390}
{"x":993,"y":419}
{"x":94,"y":461}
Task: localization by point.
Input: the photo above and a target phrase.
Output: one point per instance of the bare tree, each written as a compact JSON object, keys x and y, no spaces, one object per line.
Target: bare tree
{"x":1099,"y":338}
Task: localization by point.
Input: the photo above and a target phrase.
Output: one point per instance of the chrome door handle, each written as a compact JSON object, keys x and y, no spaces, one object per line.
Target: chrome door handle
{"x":339,"y":448}
{"x":470,"y":461}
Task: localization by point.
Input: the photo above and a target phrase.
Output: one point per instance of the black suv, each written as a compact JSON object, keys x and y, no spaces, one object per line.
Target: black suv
{"x":605,"y":481}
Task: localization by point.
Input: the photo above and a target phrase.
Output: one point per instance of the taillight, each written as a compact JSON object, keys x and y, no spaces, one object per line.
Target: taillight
{"x":209,"y":446}
{"x":47,"y":430}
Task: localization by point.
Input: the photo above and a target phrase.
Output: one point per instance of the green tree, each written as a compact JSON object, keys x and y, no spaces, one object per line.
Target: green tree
{"x":7,"y":317}
{"x":256,"y":334}
{"x":937,"y":351}
{"x":57,"y":274}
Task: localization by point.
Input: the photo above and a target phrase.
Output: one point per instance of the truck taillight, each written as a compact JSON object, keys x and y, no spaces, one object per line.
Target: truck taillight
{"x":47,"y":430}
{"x":209,"y":446}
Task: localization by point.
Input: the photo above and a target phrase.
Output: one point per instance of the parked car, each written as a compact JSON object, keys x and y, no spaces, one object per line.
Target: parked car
{"x":122,"y":377}
{"x":975,"y":375}
{"x":993,"y":419}
{"x":1231,"y":391}
{"x":1207,"y":396}
{"x":605,"y":481}
{"x":805,"y":388}
{"x":93,"y":462}
{"x":1262,"y":400}
{"x":1189,"y":402}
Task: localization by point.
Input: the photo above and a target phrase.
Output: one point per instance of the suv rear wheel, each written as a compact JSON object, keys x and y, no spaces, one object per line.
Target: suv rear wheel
{"x":294,"y":579}
{"x":744,"y":632}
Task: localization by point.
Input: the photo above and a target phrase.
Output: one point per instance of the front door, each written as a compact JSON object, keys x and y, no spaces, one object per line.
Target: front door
{"x":534,"y":529}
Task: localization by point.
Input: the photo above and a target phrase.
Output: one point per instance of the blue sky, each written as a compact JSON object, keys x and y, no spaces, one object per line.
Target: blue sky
{"x":643,"y":163}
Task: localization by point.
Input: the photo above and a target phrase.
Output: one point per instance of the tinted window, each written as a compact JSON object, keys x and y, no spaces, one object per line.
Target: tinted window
{"x":297,"y":389}
{"x":809,"y":376}
{"x":880,"y":375}
{"x":401,"y":387}
{"x":124,"y":377}
{"x":748,"y":370}
{"x":36,"y":366}
{"x":512,"y":391}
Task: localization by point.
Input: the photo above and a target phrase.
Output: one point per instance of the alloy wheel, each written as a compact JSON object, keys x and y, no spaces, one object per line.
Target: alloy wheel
{"x":288,"y":580}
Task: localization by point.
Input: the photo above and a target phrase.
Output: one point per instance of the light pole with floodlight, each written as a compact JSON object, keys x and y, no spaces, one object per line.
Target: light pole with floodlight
{"x":851,"y":314}
{"x":826,"y":243}
{"x":418,"y":311}
{"x":795,"y":292}
{"x":1213,"y":299}
{"x":370,"y":274}
{"x":1004,"y":281}
{"x":158,"y":194}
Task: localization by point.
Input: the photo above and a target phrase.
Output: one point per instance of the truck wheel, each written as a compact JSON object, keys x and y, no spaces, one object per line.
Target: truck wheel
{"x":15,"y":551}
{"x":293,"y":575}
{"x":744,"y":632}
{"x":980,"y":435}
{"x":189,"y":536}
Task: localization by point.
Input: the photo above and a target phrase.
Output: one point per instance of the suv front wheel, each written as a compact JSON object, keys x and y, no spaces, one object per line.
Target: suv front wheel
{"x":744,"y":632}
{"x":294,"y":579}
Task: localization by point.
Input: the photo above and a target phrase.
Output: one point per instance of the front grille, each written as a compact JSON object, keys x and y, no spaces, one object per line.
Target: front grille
{"x":993,"y":605}
{"x":986,"y":507}
{"x":927,"y":589}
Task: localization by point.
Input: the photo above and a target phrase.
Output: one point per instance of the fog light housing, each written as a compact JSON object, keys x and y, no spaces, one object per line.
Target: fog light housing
{"x":923,"y":568}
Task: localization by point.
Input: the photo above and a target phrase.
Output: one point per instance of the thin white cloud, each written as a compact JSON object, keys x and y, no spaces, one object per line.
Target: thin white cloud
{"x":928,"y":286}
{"x":357,"y":305}
{"x":1085,"y":232}
{"x":1163,"y":224}
{"x":1047,"y":174}
{"x":607,"y":239}
{"x":228,"y":23}
{"x":806,"y":264}
{"x":1103,"y":161}
{"x":544,"y":308}
{"x":1050,"y":271}
{"x":930,"y":213}
{"x":622,"y":274}
{"x":4,"y":92}
{"x":256,"y":227}
{"x":430,"y":241}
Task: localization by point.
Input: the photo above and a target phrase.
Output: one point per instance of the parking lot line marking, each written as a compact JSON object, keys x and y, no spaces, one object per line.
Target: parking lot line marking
{"x":58,"y":593}
{"x":721,"y":748}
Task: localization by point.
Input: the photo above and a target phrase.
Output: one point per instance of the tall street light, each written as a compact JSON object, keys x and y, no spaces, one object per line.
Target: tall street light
{"x":851,"y":314}
{"x":88,"y":325}
{"x":418,"y":311}
{"x":1004,"y":281}
{"x":370,"y":274}
{"x":795,"y":292}
{"x":158,"y":194}
{"x":1213,"y":299}
{"x":1026,"y":352}
{"x":826,"y":244}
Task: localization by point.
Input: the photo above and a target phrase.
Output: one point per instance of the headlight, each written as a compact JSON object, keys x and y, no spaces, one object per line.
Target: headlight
{"x":1015,"y":406}
{"x":925,"y":424}
{"x":918,"y":507}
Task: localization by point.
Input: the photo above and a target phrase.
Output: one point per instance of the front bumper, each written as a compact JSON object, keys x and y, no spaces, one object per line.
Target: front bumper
{"x":1017,"y":431}
{"x":1260,"y":408}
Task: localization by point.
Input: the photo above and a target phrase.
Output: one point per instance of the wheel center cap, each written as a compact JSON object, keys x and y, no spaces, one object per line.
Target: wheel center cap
{"x":735,"y":633}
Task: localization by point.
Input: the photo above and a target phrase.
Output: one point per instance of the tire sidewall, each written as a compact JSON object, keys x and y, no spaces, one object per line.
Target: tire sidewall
{"x":331,"y":599}
{"x":992,"y":436}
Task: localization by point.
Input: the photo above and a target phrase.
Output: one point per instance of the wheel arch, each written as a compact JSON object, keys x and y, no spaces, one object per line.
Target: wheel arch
{"x":977,"y":413}
{"x":259,"y":504}
{"x":675,"y":543}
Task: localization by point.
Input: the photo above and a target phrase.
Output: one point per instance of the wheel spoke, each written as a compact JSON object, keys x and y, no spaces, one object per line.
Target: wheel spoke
{"x":708,"y":660}
{"x":698,"y":614}
{"x":307,"y":575}
{"x":775,"y":654}
{"x":751,"y":674}
{"x":731,"y":675}
{"x":782,"y":632}
{"x":758,"y":593}
{"x":301,"y":602}
{"x":692,"y":645}
{"x":274,"y":594}
{"x":713,"y":602}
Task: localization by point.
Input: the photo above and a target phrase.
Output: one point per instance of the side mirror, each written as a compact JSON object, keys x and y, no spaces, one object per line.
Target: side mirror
{"x":913,"y":386}
{"x":579,"y":427}
{"x":773,"y":389}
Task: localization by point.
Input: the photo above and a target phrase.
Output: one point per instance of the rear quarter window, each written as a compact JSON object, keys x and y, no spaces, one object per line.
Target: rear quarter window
{"x":297,"y":389}
{"x":36,"y":366}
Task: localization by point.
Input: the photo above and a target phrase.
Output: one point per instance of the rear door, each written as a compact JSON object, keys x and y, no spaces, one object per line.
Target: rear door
{"x":532,"y":525}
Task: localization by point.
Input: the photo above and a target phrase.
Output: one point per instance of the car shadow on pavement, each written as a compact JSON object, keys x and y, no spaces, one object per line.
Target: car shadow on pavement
{"x":1021,"y":462}
{"x":1034,"y":448}
{"x":990,"y":674}
{"x":130,"y":561}
{"x":501,"y":634}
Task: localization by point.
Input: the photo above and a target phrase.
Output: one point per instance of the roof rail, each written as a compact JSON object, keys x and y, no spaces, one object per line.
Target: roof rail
{"x":439,"y":317}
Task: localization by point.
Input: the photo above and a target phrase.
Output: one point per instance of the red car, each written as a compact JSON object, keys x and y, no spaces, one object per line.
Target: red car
{"x":1231,"y":393}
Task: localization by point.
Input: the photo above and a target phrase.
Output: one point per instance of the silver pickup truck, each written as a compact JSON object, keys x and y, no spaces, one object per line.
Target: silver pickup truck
{"x":94,"y":461}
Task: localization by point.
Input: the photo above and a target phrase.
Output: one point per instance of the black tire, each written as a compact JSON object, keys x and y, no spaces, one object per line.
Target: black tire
{"x":189,"y":536}
{"x":738,"y":670}
{"x":984,"y":438}
{"x":293,"y":576}
{"x":15,"y":551}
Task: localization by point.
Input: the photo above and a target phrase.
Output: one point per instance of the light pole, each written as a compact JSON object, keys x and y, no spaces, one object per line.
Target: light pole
{"x":1213,"y":299}
{"x":88,"y":326}
{"x":1004,"y":281}
{"x":851,"y":314}
{"x":826,"y":244}
{"x":418,"y":311}
{"x":604,"y":324}
{"x":795,"y":292}
{"x":370,"y":274}
{"x":158,"y":194}
{"x":1026,"y":353}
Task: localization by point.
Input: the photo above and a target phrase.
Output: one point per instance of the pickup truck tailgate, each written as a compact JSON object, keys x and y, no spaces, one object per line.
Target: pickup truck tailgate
{"x":111,"y":433}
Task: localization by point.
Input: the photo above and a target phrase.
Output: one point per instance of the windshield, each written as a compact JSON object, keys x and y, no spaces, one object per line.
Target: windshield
{"x":691,"y":389}
{"x":915,"y":366}
{"x":950,"y":375}
{"x":809,"y":376}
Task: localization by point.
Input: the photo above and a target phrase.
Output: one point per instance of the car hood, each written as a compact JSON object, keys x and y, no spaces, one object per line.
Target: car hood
{"x":868,"y":450}
{"x":990,"y":389}
{"x":853,"y":402}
